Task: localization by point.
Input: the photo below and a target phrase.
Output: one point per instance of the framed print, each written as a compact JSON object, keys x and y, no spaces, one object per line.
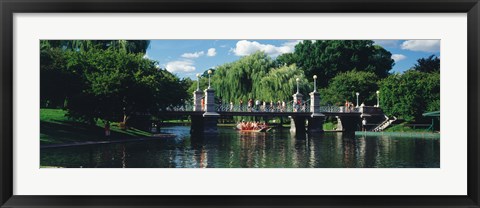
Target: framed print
{"x":266,"y":103}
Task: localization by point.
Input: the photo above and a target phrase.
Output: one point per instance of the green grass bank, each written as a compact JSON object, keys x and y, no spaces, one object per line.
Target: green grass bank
{"x":57,"y":128}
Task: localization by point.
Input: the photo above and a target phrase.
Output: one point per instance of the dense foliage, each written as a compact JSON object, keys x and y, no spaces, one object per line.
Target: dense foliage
{"x":430,"y":64}
{"x":98,"y":82}
{"x":327,"y":58}
{"x":344,"y":87}
{"x":254,"y":77}
{"x":410,"y":94}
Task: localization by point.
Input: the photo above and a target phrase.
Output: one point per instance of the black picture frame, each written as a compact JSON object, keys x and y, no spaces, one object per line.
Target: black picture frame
{"x":9,"y":7}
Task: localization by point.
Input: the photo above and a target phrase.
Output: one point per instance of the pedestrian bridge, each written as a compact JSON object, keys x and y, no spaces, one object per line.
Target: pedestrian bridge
{"x":301,"y":118}
{"x":304,"y":115}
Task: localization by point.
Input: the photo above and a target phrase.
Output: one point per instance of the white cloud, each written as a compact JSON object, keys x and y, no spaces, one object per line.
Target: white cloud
{"x":180,"y":66}
{"x":245,"y":47}
{"x":211,"y":52}
{"x":398,"y":57}
{"x":193,"y":55}
{"x":422,"y":45}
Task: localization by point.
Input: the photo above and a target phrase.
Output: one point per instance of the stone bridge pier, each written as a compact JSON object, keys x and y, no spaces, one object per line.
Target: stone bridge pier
{"x":207,"y":122}
{"x":315,"y":120}
{"x":349,"y":123}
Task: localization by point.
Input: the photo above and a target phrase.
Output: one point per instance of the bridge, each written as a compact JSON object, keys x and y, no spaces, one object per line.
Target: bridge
{"x":304,"y":115}
{"x":298,"y":119}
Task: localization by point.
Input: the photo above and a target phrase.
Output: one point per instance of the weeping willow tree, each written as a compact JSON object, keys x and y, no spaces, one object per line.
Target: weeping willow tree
{"x":280,"y":84}
{"x":240,"y":80}
{"x":256,"y":77}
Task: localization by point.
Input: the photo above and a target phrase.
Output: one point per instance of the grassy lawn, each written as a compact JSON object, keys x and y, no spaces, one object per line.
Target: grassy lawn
{"x":403,"y":128}
{"x":329,"y":126}
{"x":56,"y":128}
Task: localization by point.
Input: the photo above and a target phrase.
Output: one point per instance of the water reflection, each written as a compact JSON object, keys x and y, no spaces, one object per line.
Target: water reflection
{"x":232,"y":149}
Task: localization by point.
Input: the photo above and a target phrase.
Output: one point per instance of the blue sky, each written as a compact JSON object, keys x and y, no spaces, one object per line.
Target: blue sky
{"x":189,"y":57}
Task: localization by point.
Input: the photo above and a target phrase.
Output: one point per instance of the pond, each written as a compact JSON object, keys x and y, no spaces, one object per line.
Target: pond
{"x":233,"y":149}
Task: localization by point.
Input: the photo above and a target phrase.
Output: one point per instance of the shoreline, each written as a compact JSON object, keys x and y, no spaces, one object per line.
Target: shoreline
{"x":154,"y":137}
{"x":429,"y":135}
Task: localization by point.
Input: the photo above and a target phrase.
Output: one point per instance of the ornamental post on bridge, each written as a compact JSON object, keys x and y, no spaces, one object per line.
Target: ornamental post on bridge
{"x":315,"y":122}
{"x":297,"y":98}
{"x":210,"y":116}
{"x":297,"y":123}
{"x":197,"y":96}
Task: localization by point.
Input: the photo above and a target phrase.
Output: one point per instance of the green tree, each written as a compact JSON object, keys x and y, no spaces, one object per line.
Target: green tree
{"x":410,"y":94}
{"x":56,"y":82}
{"x":280,"y":84}
{"x":345,"y":85}
{"x":241,"y":79}
{"x":286,"y":59}
{"x":327,"y":58}
{"x":102,"y":81}
{"x":203,"y":82}
{"x":130,"y":46}
{"x":430,"y":64}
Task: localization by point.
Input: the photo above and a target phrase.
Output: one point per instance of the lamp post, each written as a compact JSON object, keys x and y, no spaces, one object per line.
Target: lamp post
{"x":198,"y":82}
{"x":209,"y":73}
{"x":357,"y":97}
{"x":314,"y":83}
{"x":298,"y":80}
{"x":378,"y":100}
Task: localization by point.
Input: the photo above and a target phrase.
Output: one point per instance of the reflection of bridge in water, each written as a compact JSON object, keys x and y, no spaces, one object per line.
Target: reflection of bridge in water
{"x":304,"y":116}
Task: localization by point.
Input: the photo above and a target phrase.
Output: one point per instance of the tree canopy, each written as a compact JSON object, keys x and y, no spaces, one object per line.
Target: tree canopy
{"x":430,"y":64}
{"x":241,"y":79}
{"x":106,"y":83}
{"x":130,"y":46}
{"x":345,"y":85}
{"x":327,"y":58}
{"x":255,"y":76}
{"x":410,"y":94}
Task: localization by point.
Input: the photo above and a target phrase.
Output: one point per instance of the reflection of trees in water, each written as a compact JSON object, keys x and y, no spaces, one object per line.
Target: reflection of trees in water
{"x":312,"y":154}
{"x":360,"y":151}
{"x":349,"y":150}
{"x":252,"y":151}
{"x":232,"y":149}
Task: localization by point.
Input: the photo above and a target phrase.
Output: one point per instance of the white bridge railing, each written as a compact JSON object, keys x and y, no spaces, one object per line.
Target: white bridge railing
{"x":267,"y":108}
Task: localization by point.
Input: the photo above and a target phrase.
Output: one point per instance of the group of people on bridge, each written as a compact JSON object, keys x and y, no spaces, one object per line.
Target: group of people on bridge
{"x":264,"y":106}
{"x":350,"y":107}
{"x":260,"y":106}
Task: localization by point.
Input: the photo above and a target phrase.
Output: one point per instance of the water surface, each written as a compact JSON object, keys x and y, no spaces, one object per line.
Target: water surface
{"x":232,"y":149}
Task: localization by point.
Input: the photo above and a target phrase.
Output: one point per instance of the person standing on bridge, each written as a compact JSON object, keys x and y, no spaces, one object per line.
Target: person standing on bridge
{"x":250,"y":104}
{"x":241,"y":105}
{"x":231,"y":105}
{"x":257,"y":105}
{"x":297,"y":106}
{"x":203,"y":104}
